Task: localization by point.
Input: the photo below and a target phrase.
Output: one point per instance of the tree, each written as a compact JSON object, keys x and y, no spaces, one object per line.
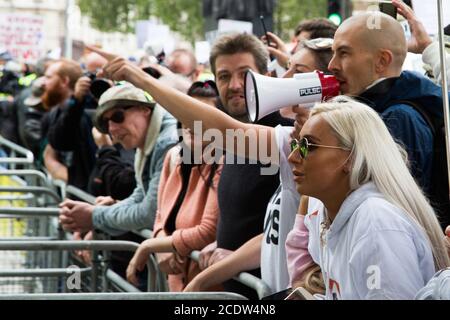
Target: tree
{"x":182,"y":16}
{"x":290,"y":12}
{"x":185,"y":16}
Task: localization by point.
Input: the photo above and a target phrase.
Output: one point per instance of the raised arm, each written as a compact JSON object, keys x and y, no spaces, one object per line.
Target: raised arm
{"x":189,"y":110}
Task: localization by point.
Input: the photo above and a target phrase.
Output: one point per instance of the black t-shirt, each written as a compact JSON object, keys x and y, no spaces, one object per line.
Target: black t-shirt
{"x":243,"y":195}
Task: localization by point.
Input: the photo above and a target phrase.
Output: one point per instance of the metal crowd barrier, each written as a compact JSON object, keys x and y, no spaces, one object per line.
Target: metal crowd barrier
{"x":160,"y":278}
{"x":32,"y":177}
{"x":247,"y":279}
{"x":244,"y":278}
{"x":129,"y":296}
{"x":25,"y":195}
{"x":27,"y":159}
{"x":40,"y":191}
{"x":152,"y":283}
{"x":37,"y":191}
{"x":44,"y":191}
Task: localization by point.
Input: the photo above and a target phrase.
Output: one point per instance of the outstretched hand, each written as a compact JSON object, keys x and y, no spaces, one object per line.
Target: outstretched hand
{"x":118,"y":68}
{"x":107,"y":55}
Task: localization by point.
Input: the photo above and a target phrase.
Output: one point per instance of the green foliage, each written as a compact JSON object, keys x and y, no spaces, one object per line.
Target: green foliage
{"x":182,"y":16}
{"x":290,"y":12}
{"x":185,"y":16}
{"x":109,"y":15}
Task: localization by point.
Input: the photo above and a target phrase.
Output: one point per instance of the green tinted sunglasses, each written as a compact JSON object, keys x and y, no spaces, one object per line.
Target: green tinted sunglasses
{"x":304,"y":146}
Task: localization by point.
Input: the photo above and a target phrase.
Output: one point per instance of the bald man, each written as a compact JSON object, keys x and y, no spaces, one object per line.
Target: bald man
{"x":93,"y":62}
{"x":367,"y":47}
{"x":369,"y":51}
{"x":183,"y":61}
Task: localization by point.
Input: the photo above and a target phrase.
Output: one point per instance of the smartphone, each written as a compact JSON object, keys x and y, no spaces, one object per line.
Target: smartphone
{"x":300,"y":294}
{"x":388,"y":8}
{"x":265,"y":29}
{"x":280,"y":295}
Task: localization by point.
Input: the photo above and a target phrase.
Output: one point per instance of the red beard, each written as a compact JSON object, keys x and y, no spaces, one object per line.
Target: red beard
{"x":52,"y":98}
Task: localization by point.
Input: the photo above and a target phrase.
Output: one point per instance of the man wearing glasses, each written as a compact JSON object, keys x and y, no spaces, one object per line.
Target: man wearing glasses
{"x":132,"y":119}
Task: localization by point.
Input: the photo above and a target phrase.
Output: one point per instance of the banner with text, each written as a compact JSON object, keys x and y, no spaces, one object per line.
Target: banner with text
{"x":23,"y":36}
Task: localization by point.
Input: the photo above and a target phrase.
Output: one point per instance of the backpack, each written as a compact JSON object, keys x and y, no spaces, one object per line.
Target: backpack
{"x":439,"y":190}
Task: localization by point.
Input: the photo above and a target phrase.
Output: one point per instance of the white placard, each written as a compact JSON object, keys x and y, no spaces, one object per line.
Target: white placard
{"x":156,"y":36}
{"x":202,"y":51}
{"x":426,"y":11}
{"x":226,"y":25}
{"x":23,"y":36}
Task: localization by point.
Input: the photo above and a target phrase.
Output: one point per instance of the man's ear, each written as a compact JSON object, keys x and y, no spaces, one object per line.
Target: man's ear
{"x":383,"y":60}
{"x":147,"y":111}
{"x":65,"y":81}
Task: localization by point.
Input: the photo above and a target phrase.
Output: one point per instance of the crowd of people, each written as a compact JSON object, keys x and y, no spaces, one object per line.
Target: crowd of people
{"x":357,"y":208}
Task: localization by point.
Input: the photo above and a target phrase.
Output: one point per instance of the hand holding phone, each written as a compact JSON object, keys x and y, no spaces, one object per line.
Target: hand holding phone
{"x":265,"y":30}
{"x":388,"y":8}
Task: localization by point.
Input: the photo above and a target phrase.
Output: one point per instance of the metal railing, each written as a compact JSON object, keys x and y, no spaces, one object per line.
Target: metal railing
{"x":160,"y":278}
{"x":27,"y":159}
{"x":247,"y":279}
{"x":80,"y":194}
{"x":152,"y":283}
{"x":38,"y":178}
{"x":28,"y":212}
{"x":34,"y":190}
{"x":127,"y":296}
{"x":156,"y":281}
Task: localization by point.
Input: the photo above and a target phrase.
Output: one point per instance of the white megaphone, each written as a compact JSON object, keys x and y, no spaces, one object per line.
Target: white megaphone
{"x":264,"y":95}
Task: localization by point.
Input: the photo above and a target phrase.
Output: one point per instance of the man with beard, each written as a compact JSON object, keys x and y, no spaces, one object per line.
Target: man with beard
{"x":243,"y":191}
{"x":65,"y":88}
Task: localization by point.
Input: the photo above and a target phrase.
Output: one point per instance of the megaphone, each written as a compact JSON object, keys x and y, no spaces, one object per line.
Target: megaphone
{"x":264,"y":95}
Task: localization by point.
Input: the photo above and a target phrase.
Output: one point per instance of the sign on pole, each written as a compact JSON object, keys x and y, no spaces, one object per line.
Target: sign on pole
{"x":22,"y":35}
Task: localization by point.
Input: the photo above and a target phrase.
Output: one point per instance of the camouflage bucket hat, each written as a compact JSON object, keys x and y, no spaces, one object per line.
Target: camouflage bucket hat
{"x":121,"y":96}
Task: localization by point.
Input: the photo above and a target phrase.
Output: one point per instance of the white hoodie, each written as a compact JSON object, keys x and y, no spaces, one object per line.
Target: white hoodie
{"x":372,"y":250}
{"x":431,"y":56}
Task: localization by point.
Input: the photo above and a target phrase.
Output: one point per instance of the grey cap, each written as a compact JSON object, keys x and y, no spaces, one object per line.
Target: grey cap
{"x":122,"y":95}
{"x":37,"y":90}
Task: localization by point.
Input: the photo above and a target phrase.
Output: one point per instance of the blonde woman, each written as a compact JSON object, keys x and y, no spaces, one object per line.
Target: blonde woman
{"x":357,"y":158}
{"x":373,"y":233}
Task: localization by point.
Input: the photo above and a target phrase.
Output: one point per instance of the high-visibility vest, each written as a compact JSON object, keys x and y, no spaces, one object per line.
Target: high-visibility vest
{"x":26,"y":81}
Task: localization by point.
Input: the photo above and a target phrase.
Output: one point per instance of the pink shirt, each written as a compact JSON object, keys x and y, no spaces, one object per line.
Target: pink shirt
{"x":298,"y":257}
{"x":196,"y":221}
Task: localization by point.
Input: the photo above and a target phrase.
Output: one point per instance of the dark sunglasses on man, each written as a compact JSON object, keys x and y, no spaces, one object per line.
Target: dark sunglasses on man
{"x":118,"y":116}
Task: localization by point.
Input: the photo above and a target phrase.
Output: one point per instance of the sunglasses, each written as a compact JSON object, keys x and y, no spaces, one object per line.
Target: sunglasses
{"x":118,"y":116}
{"x":318,"y":43}
{"x":304,"y":146}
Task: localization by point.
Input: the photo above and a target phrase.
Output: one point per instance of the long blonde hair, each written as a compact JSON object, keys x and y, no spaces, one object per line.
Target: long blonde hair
{"x":376,"y":157}
{"x":311,"y":280}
